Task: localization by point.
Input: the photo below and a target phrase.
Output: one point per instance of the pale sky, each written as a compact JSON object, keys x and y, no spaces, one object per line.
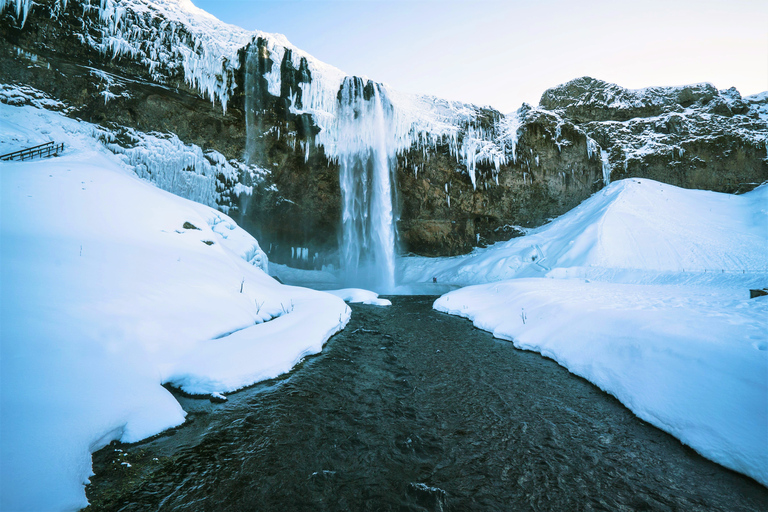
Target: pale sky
{"x":504,"y":53}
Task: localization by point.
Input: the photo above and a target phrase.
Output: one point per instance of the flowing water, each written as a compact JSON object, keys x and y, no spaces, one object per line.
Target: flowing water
{"x":409,"y":409}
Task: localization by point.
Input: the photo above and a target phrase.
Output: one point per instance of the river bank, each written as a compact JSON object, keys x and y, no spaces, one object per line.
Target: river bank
{"x":411,"y":409}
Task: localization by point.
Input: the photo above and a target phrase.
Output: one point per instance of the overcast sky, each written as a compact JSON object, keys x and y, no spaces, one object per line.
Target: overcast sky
{"x":503,"y":53}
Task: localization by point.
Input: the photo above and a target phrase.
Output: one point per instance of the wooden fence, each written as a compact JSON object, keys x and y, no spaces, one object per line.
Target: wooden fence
{"x":43,"y":150}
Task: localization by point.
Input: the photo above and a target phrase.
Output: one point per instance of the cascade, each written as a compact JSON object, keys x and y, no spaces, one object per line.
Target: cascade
{"x":359,"y":134}
{"x":366,"y":150}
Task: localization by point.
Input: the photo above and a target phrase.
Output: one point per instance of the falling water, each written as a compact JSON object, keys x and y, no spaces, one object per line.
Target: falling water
{"x":366,"y":161}
{"x":361,"y":138}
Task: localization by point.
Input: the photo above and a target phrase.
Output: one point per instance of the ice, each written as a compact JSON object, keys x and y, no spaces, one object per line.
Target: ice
{"x":106,"y":296}
{"x":606,"y":167}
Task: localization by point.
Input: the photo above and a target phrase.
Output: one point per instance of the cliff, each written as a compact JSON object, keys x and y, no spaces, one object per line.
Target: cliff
{"x":250,"y":124}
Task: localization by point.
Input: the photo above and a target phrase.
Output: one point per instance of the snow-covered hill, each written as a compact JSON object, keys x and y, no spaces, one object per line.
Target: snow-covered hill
{"x":644,"y":291}
{"x":111,"y":288}
{"x":635,"y":230}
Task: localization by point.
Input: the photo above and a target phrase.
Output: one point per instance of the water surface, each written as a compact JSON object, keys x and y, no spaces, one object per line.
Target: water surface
{"x":409,"y":409}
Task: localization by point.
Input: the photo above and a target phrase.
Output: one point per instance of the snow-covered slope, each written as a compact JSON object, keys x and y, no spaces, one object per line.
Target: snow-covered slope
{"x":644,"y":291}
{"x":635,"y":230}
{"x":111,"y":288}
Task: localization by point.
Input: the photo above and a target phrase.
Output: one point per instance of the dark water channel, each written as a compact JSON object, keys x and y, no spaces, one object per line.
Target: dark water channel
{"x":409,"y":409}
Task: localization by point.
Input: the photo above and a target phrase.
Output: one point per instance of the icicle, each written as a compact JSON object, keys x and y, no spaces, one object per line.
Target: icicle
{"x":606,"y":167}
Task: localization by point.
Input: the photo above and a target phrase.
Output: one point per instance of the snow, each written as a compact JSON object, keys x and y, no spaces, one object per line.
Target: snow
{"x":644,"y":291}
{"x":358,"y":295}
{"x":634,"y":230}
{"x":106,"y":296}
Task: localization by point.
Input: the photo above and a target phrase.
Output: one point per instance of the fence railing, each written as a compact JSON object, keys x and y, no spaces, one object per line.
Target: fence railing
{"x":43,"y":150}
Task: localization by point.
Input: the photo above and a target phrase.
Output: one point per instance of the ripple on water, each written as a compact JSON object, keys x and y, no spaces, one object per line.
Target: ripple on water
{"x":409,"y":409}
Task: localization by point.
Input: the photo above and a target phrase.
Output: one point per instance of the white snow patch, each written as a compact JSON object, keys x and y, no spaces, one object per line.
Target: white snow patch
{"x":358,"y":295}
{"x":106,"y":296}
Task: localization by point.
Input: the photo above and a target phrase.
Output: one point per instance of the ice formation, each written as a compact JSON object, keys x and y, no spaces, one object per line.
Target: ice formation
{"x":606,"y":167}
{"x":174,"y":38}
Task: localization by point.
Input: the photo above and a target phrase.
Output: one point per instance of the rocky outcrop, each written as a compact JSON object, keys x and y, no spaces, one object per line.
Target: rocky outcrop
{"x":586,"y":99}
{"x":691,"y":136}
{"x":552,"y":171}
{"x":465,"y":176}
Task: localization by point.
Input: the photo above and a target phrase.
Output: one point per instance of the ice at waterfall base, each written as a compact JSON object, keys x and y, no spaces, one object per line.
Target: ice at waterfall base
{"x":108,"y":292}
{"x":644,"y":291}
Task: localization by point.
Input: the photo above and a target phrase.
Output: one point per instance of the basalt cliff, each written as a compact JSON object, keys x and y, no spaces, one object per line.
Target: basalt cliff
{"x":327,"y":169}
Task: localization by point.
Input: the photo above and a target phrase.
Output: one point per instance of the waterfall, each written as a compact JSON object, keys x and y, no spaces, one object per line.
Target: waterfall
{"x":359,"y":134}
{"x":366,"y":152}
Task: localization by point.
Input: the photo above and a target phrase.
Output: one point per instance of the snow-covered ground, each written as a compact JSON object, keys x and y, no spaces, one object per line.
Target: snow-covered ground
{"x":112,"y":287}
{"x":644,"y":291}
{"x":358,"y":295}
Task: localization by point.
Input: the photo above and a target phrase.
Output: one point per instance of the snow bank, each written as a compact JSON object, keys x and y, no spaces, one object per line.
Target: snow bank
{"x":690,"y":360}
{"x":359,"y":295}
{"x":111,"y":288}
{"x":644,"y":291}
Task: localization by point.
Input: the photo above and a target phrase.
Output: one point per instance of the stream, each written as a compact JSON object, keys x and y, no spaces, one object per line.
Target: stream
{"x":409,"y":409}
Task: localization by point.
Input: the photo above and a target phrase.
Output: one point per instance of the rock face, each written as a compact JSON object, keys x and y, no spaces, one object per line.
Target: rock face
{"x":692,"y":136}
{"x":262,"y":117}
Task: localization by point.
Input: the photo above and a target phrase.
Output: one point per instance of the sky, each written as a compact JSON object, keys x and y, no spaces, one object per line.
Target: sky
{"x":504,"y":53}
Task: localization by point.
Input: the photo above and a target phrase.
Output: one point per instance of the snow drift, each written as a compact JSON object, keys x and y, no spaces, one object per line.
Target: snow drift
{"x":634,"y":230}
{"x":111,"y":288}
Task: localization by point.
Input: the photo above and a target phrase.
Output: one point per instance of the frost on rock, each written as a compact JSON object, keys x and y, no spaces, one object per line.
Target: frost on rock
{"x":19,"y":95}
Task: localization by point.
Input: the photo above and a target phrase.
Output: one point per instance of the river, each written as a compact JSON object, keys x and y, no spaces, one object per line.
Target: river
{"x":409,"y":409}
